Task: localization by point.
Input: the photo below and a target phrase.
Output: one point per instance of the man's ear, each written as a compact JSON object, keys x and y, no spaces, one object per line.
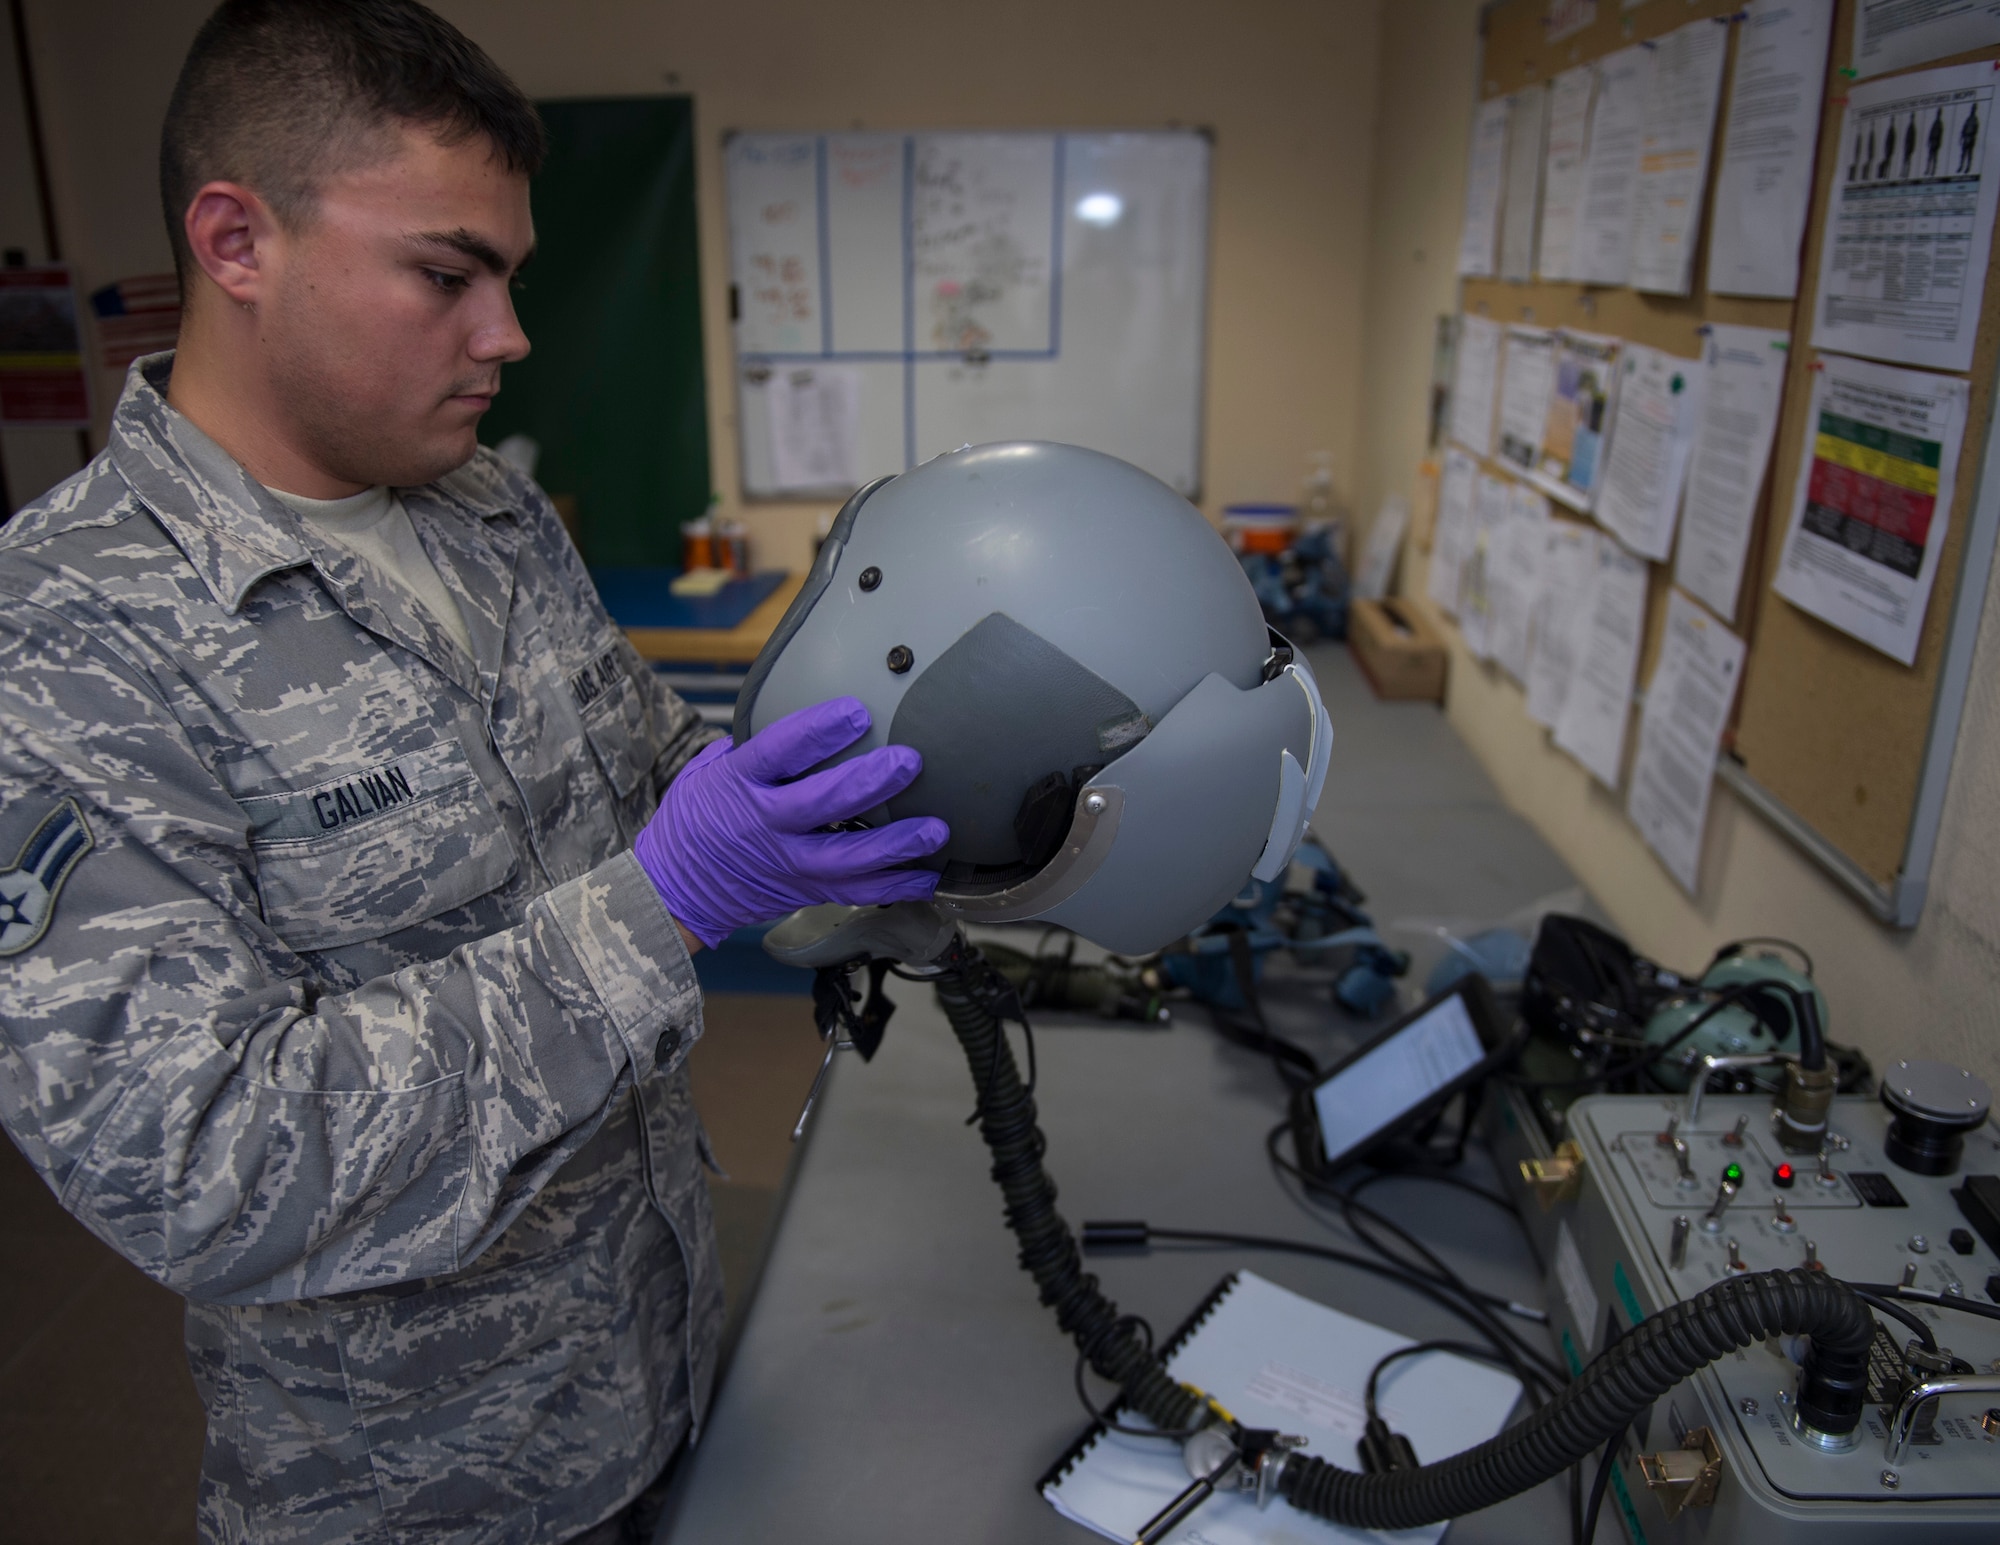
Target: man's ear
{"x":230,"y":231}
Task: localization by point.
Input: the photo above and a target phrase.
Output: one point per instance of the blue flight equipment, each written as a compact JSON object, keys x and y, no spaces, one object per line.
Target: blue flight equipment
{"x":1304,"y":589}
{"x":1321,"y":922}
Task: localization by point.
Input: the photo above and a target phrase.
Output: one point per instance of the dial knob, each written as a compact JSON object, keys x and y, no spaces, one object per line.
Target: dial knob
{"x":1932,"y":1105}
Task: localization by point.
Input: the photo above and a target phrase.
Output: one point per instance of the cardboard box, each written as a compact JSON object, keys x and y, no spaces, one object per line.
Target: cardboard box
{"x":1398,"y":650}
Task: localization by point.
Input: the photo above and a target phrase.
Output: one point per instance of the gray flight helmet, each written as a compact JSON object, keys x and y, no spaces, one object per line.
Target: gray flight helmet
{"x":1113,"y":734}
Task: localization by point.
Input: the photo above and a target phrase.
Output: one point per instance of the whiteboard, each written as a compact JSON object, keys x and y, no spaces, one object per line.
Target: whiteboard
{"x":906,"y":294}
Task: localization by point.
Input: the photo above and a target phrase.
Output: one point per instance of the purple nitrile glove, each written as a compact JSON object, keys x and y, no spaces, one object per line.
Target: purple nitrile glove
{"x":733,"y":843}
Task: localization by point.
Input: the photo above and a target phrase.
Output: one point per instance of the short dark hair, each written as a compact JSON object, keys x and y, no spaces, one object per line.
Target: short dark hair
{"x":278,"y":94}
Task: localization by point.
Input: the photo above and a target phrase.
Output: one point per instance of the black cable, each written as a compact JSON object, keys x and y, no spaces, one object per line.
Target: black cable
{"x":1440,"y":1177}
{"x":1597,"y":1485}
{"x":1048,"y":1250}
{"x":1593,"y":1408}
{"x":1535,"y":1379}
{"x":1896,"y":1311}
{"x":1896,"y":1290}
{"x":1653,"y":1054}
{"x":1458,"y":1348}
{"x":1446,"y":1279}
{"x":1601,"y":1402}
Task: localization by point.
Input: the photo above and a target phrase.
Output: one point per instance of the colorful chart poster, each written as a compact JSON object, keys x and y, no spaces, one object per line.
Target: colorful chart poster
{"x":1873,"y":502}
{"x":42,"y":379}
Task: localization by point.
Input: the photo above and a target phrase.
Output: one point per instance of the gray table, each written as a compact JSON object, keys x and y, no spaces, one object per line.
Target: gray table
{"x":896,"y":1378}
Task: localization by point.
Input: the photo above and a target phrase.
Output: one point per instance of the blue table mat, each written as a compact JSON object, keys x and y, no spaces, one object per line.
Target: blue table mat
{"x":639,"y":598}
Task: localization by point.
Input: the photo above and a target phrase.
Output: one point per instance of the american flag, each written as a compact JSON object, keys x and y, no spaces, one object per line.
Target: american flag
{"x":136,"y":316}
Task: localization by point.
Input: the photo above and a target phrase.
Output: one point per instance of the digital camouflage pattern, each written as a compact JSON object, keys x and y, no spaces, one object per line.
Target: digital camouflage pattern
{"x":358,"y":1024}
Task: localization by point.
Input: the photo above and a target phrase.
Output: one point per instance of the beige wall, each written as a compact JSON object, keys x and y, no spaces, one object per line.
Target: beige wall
{"x":1288,"y":86}
{"x":1932,"y":991}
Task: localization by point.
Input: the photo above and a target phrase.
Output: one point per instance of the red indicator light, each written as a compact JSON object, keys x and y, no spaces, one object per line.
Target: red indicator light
{"x":1783,"y":1175}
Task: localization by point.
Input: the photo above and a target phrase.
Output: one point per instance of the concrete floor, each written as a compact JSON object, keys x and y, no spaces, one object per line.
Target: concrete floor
{"x":100,"y":1431}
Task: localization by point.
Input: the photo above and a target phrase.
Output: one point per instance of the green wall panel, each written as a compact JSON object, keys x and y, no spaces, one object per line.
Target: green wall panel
{"x":613,"y":389}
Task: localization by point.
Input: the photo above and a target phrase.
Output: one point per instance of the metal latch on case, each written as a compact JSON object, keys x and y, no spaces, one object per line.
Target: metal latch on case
{"x":1684,"y":1477}
{"x":1557,"y":1178}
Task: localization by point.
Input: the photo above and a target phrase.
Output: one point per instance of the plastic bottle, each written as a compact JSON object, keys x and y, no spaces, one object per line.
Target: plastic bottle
{"x":1317,"y":504}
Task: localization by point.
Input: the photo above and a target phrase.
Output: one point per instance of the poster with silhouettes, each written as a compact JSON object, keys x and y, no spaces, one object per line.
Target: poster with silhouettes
{"x":1903,"y":265}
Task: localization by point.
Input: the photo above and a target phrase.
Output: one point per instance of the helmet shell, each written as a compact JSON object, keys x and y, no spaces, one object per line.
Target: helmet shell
{"x":1034,"y":612}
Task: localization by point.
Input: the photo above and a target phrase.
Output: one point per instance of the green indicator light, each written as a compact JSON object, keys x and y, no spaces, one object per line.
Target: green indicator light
{"x":1733,"y":1174}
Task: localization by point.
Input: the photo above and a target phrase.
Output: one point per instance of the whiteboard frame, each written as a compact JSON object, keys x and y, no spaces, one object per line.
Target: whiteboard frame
{"x":744,"y":365}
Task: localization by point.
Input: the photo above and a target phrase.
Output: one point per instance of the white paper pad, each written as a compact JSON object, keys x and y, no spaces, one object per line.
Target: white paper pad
{"x":1275,"y":1359}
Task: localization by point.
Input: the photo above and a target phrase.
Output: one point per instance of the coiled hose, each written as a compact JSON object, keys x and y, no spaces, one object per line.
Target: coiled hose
{"x":1600,"y":1403}
{"x":1110,"y":1343}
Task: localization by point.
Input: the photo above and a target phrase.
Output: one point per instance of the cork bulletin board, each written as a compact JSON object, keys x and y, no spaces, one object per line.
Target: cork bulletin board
{"x":1842,"y":746}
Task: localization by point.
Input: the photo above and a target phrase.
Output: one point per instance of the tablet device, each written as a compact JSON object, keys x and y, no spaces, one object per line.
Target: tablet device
{"x":1402,"y":1075}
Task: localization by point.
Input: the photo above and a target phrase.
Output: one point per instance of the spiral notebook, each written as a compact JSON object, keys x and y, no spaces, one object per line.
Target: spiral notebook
{"x":1275,"y":1359}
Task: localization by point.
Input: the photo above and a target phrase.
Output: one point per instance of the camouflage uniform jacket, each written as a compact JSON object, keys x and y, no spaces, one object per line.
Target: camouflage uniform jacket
{"x":332,"y":997}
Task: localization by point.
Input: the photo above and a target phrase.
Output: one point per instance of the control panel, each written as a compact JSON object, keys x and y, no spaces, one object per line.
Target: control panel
{"x":1656,"y":1198}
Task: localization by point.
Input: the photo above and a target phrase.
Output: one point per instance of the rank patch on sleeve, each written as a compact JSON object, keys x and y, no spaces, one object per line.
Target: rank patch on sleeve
{"x":29,"y":887}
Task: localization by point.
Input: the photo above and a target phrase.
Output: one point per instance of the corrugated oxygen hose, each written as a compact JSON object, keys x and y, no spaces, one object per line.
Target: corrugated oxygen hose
{"x":1600,"y":1403}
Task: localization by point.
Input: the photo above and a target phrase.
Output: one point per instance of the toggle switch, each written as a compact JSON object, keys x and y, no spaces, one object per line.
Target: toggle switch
{"x":1725,"y":1193}
{"x":1782,"y":1222}
{"x":1677,"y":1243}
{"x":1736,"y":1261}
{"x":1684,"y":1163}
